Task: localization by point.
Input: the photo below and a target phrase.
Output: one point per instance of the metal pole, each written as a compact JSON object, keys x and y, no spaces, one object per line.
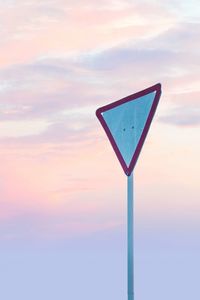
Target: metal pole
{"x":130,"y":237}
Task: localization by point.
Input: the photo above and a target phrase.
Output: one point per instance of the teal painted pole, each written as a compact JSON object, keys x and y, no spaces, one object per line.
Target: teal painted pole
{"x":130,"y":237}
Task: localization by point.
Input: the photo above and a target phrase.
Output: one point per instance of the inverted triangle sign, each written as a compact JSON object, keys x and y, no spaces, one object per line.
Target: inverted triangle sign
{"x":126,"y":123}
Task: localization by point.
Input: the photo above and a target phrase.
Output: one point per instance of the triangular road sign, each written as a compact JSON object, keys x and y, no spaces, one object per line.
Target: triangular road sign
{"x":126,"y":123}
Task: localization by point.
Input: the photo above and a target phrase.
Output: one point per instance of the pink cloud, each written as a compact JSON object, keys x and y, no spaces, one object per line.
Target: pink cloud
{"x":84,"y":54}
{"x":52,"y":190}
{"x":31,"y":28}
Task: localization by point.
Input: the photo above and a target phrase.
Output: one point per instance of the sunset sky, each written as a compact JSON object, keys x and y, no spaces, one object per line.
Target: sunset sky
{"x":62,"y":190}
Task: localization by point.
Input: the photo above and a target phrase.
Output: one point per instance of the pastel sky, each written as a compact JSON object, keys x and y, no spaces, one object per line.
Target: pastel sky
{"x":62,"y":190}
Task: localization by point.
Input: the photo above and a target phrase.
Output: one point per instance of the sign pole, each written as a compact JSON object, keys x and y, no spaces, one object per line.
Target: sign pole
{"x":130,"y":237}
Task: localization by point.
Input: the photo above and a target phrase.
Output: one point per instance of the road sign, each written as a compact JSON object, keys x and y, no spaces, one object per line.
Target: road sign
{"x":126,"y":123}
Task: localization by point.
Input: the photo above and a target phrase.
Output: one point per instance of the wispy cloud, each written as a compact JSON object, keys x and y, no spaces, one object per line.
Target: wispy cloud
{"x":62,"y":59}
{"x":183,"y":116}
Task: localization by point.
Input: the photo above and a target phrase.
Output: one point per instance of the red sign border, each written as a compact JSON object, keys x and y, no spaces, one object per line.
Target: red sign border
{"x":155,"y":88}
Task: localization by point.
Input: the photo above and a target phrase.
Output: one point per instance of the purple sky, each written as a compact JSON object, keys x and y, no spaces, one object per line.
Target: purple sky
{"x":62,"y":191}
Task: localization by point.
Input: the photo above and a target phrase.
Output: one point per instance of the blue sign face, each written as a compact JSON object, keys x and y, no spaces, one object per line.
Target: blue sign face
{"x":126,"y":123}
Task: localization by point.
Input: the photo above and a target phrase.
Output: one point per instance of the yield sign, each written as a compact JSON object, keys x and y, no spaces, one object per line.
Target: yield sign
{"x":126,"y":123}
